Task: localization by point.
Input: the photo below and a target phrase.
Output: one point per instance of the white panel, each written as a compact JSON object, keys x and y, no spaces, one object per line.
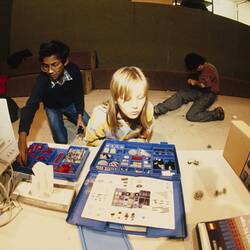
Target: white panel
{"x":8,"y":145}
{"x":244,"y":13}
{"x":225,"y":8}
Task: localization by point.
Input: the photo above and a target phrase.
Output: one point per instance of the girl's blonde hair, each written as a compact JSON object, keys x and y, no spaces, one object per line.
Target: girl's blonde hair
{"x":121,"y":86}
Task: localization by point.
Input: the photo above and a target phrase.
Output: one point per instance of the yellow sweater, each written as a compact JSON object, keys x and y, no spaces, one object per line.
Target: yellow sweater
{"x":99,"y":130}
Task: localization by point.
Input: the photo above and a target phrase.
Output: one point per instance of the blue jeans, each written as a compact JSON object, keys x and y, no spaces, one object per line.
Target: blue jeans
{"x":56,"y":123}
{"x":198,"y":112}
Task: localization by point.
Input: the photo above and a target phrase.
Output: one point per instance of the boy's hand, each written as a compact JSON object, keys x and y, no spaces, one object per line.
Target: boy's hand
{"x":80,"y":126}
{"x":191,"y":82}
{"x":22,"y":145}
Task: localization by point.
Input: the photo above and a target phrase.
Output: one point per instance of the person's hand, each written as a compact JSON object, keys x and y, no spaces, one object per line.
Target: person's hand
{"x":80,"y":126}
{"x":132,"y":134}
{"x":22,"y":145}
{"x":146,"y":134}
{"x":80,"y":122}
{"x":191,"y":82}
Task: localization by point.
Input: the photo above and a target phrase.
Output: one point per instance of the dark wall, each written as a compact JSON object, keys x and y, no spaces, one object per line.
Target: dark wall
{"x":5,"y":18}
{"x":151,"y":36}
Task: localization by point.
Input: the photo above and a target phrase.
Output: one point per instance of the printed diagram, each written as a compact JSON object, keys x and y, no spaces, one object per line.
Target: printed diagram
{"x":122,"y":198}
{"x":131,"y":200}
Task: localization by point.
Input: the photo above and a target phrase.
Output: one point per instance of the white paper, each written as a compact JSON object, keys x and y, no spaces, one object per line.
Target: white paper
{"x":131,"y":200}
{"x":42,"y":181}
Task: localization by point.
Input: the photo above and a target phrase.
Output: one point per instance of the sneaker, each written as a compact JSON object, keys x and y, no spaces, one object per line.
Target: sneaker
{"x":156,"y":114}
{"x":221,"y":113}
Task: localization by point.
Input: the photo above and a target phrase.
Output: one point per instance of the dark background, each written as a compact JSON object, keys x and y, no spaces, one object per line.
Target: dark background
{"x":151,"y":36}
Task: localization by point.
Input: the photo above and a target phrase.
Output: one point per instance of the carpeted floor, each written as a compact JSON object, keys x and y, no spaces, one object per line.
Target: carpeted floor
{"x":172,"y":127}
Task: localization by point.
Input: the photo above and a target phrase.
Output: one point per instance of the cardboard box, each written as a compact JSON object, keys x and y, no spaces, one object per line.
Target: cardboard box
{"x":237,"y":150}
{"x":87,"y":81}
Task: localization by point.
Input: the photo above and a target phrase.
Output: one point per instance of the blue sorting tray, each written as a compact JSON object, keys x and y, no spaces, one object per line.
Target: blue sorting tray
{"x":67,"y":163}
{"x":137,"y":159}
{"x":150,"y":160}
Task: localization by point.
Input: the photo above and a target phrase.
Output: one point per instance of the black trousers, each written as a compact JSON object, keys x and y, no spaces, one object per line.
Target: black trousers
{"x":198,"y":112}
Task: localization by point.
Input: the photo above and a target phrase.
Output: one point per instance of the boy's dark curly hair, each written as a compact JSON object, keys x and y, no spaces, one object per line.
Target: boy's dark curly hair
{"x":54,"y":47}
{"x":193,"y":60}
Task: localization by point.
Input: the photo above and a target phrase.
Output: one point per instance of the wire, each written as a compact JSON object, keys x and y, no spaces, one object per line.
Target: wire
{"x":8,"y":204}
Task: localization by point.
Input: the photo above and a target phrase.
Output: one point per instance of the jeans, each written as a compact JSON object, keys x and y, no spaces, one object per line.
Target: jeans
{"x":56,"y":123}
{"x":198,"y":112}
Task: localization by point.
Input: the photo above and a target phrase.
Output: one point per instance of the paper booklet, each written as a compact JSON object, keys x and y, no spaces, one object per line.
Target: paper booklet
{"x":131,"y":200}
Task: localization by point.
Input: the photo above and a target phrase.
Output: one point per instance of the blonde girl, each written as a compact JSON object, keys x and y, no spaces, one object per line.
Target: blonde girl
{"x":127,"y":115}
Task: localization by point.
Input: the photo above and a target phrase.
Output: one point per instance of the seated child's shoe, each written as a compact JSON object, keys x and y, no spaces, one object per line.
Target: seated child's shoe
{"x":156,"y":114}
{"x":221,"y":113}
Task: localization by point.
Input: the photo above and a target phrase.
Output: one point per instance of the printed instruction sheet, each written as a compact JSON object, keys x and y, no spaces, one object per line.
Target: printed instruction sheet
{"x":131,"y":200}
